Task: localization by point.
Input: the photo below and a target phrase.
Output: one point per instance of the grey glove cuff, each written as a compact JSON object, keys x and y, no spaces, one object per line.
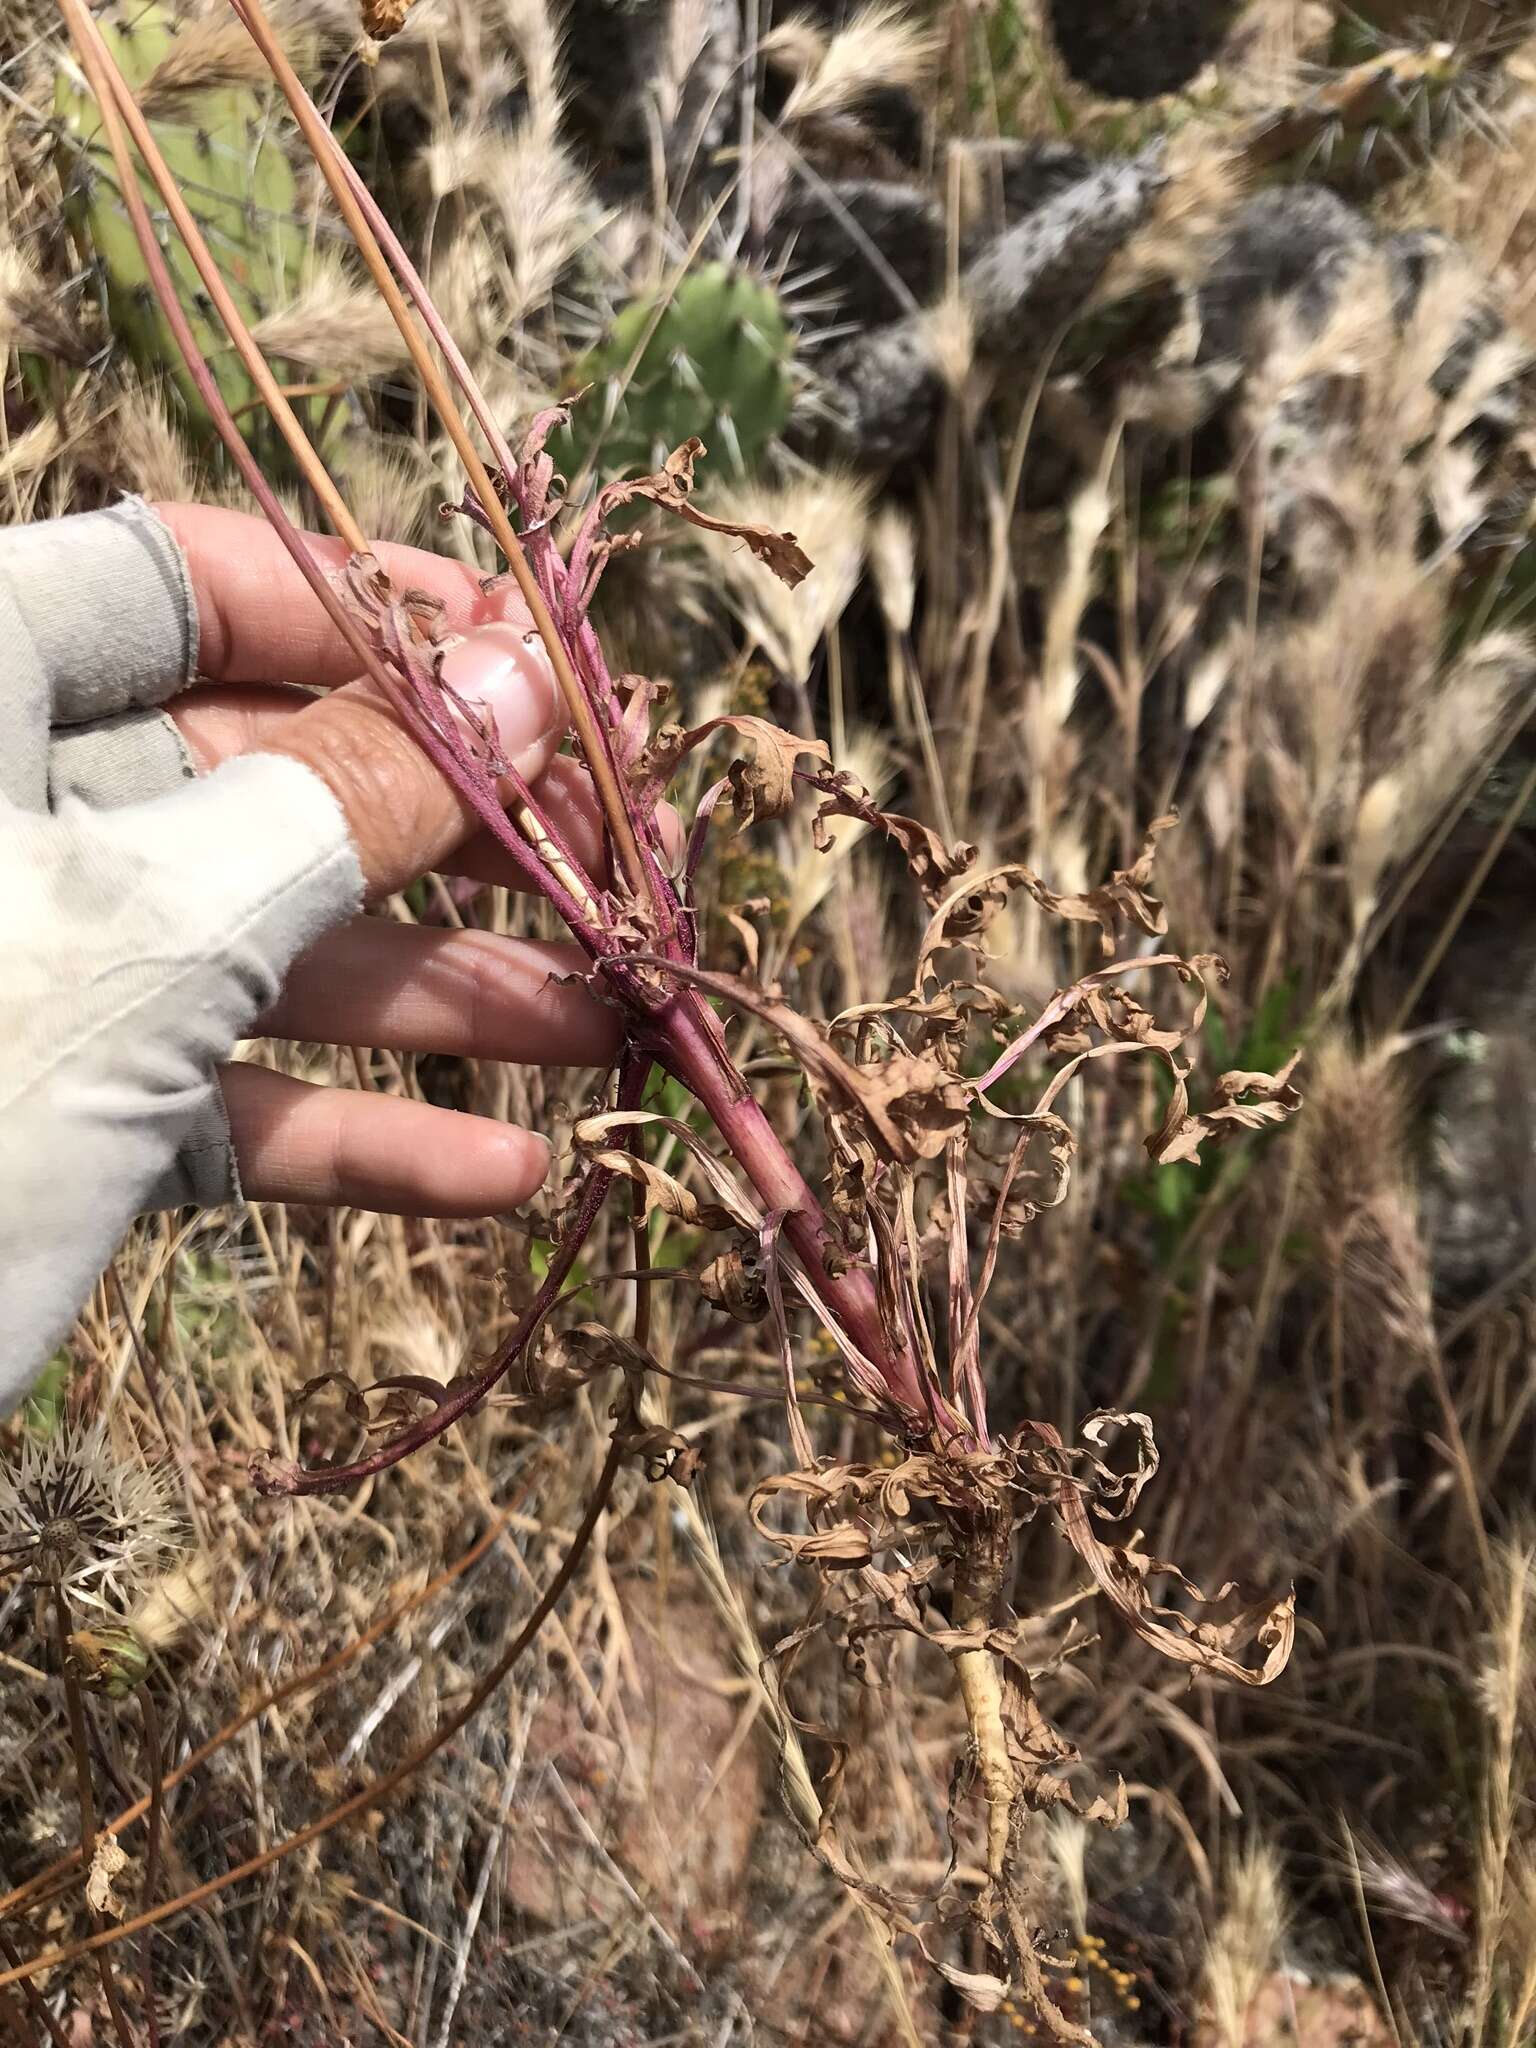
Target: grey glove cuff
{"x":106,"y":600}
{"x":97,"y":618}
{"x":205,"y":1173}
{"x":117,"y":761}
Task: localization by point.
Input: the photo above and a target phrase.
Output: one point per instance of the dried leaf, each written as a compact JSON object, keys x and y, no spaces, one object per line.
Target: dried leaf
{"x":384,"y":18}
{"x":1126,"y":895}
{"x":933,"y":862}
{"x":108,"y":1860}
{"x":1273,"y":1101}
{"x":925,"y":1103}
{"x":1038,"y":1751}
{"x":733,"y":1282}
{"x":907,"y":1106}
{"x":665,"y":1453}
{"x":1123,"y":1576}
{"x":763,"y":787}
{"x":661,"y":1191}
{"x":964,"y":914}
{"x":671,"y":487}
{"x":977,"y":1987}
{"x":353,"y":1398}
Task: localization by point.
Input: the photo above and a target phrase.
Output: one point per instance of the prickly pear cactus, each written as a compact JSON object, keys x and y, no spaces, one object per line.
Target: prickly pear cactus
{"x":716,"y":363}
{"x":1365,"y":123}
{"x":221,"y":147}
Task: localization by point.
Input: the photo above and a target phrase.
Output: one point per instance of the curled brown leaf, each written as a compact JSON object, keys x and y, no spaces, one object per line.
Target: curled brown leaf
{"x":1246,"y":1102}
{"x":659,"y":1189}
{"x":762,"y":787}
{"x":671,"y":487}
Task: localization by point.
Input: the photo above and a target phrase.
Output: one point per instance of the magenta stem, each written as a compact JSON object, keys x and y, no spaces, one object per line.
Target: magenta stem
{"x":688,"y":1043}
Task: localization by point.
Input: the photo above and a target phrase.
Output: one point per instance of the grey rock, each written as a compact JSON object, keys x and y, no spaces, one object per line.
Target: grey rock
{"x":1029,"y":281}
{"x":1295,"y":242}
{"x":824,"y":234}
{"x":1478,"y":1195}
{"x":879,"y":394}
{"x":1138,"y":49}
{"x":1014,"y":178}
{"x":878,"y":397}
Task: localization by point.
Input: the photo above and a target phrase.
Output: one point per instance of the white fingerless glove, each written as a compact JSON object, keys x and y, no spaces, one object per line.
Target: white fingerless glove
{"x":146,"y":919}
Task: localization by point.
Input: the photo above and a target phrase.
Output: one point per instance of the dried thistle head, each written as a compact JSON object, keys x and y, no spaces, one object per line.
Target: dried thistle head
{"x":77,"y":1515}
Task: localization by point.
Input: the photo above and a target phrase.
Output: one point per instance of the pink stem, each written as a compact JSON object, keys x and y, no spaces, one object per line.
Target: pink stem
{"x":688,"y":1043}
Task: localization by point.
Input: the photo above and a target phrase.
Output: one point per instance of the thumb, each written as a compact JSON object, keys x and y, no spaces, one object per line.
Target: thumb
{"x":403,"y":814}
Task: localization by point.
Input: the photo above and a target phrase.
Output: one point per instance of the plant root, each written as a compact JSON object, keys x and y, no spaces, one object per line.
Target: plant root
{"x":979,"y":1572}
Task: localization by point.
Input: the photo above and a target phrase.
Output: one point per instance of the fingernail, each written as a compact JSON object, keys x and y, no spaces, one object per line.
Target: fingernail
{"x":506,"y":678}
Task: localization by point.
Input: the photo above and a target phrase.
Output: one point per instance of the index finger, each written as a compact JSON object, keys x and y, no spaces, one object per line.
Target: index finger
{"x":260,"y":622}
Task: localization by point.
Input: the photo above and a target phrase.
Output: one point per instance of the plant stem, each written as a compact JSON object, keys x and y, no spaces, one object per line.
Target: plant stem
{"x":271,"y":392}
{"x":75,"y":1707}
{"x":325,"y":150}
{"x":688,"y":1042}
{"x":34,"y":2001}
{"x":978,"y":1584}
{"x":155,"y":1747}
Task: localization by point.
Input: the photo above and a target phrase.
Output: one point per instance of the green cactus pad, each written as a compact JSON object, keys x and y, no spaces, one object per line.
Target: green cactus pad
{"x":230,"y":168}
{"x":715,"y":363}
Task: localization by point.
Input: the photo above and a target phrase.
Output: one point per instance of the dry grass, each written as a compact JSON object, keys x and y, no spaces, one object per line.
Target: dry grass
{"x":1050,"y":628}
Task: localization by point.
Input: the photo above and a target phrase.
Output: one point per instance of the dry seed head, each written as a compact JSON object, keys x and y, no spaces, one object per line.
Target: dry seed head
{"x":949,"y":339}
{"x":1454,"y":729}
{"x":540,"y":199}
{"x":798,"y":45}
{"x":828,"y":513}
{"x":1503,"y":1684}
{"x":1087,"y":518}
{"x":1067,"y":1839}
{"x":530,"y":26}
{"x":690,"y":26}
{"x":334,"y":323}
{"x":171,"y":1606}
{"x":1394,"y":1887}
{"x":144,"y":450}
{"x":210,"y":52}
{"x":1208,"y":679}
{"x":27,"y":455}
{"x":1356,"y":1141}
{"x":893,"y":565}
{"x":879,"y":48}
{"x":420,"y":1340}
{"x":390,"y":487}
{"x":31,"y":316}
{"x":455,"y":153}
{"x":77,"y":1515}
{"x":1246,"y":1943}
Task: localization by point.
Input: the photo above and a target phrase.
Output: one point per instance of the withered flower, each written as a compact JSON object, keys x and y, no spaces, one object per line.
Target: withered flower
{"x":77,"y":1515}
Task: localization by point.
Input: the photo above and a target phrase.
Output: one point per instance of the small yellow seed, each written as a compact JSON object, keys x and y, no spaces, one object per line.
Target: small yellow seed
{"x":1075,"y":1984}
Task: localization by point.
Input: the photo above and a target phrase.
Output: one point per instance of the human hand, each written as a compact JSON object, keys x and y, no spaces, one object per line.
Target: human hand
{"x":265,"y":644}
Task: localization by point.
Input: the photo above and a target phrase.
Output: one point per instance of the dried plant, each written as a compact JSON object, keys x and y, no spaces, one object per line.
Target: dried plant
{"x":928,"y":1173}
{"x":78,"y":1516}
{"x":1219,"y":500}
